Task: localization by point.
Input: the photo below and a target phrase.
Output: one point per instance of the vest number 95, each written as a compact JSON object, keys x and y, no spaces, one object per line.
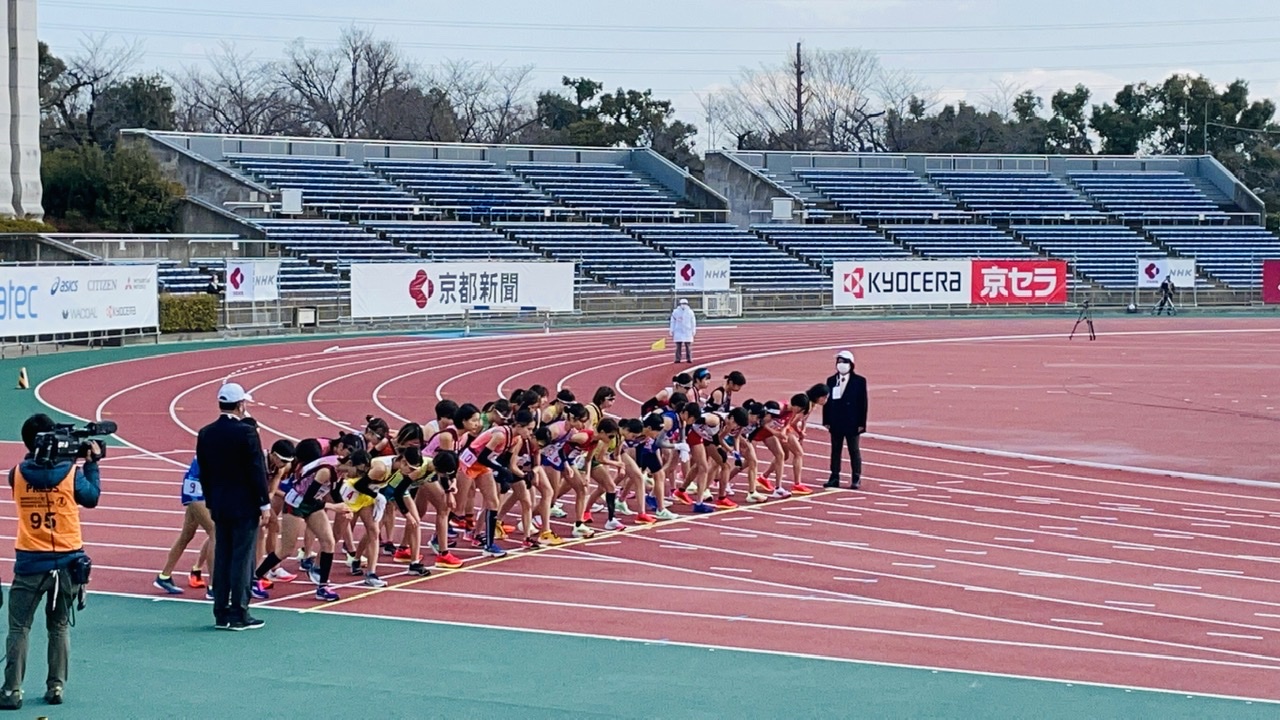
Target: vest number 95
{"x":48,"y":521}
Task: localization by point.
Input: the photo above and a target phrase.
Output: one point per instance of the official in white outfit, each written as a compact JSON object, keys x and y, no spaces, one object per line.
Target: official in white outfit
{"x":684,"y":325}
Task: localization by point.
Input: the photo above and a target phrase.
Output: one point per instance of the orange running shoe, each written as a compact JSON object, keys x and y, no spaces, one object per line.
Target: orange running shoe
{"x":801,"y":489}
{"x":448,"y":560}
{"x":725,"y":503}
{"x":195,"y":580}
{"x":764,"y":484}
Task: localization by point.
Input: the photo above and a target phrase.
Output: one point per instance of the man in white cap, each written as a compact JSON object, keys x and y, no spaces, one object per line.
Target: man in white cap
{"x":845,"y":418}
{"x":683,"y":327}
{"x":234,"y":474}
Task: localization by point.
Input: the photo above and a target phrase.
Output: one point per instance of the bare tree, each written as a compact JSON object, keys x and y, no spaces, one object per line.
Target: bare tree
{"x":823,"y":100}
{"x":75,"y":86}
{"x":236,"y":94}
{"x":492,"y":103}
{"x":338,"y":91}
{"x":1002,"y":97}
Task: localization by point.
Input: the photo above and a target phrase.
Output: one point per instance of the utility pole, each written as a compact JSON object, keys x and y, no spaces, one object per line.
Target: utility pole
{"x":799,"y":68}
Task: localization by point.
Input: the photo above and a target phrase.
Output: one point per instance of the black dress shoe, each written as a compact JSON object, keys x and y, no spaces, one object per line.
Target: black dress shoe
{"x":248,"y":624}
{"x":855,"y":485}
{"x":833,"y":483}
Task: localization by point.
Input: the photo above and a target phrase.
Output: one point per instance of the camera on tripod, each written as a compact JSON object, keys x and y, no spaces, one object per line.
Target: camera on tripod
{"x":66,"y":442}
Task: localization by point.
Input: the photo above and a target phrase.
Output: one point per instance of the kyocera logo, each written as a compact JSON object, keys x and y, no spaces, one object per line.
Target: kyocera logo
{"x":63,"y":286}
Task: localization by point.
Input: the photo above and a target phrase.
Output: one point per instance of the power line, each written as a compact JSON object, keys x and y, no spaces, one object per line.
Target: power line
{"x":952,"y":70}
{"x":825,"y":28}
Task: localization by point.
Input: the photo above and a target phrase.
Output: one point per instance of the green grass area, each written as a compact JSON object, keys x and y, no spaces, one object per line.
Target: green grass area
{"x":135,"y":658}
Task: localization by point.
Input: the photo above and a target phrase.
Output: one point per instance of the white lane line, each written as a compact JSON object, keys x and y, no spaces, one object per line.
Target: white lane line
{"x":1234,"y":636}
{"x":1076,"y":622}
{"x":1176,"y":587}
{"x":1126,"y":603}
{"x":1017,"y":540}
{"x":915,"y":565}
{"x":853,"y":579}
{"x":730,"y":569}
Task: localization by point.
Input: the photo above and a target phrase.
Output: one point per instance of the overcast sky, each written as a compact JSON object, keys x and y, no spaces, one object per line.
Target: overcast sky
{"x":960,"y":48}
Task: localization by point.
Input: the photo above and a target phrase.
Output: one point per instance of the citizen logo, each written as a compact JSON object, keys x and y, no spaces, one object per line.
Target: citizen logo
{"x":101,"y":285}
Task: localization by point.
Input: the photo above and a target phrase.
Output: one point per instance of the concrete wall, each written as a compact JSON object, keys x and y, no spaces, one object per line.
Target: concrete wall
{"x":1224,"y":180}
{"x":202,"y":179}
{"x":744,"y":190}
{"x":676,"y":179}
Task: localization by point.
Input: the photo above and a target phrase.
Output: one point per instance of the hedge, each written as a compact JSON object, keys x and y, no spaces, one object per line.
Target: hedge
{"x":10,"y":224}
{"x":188,"y":313}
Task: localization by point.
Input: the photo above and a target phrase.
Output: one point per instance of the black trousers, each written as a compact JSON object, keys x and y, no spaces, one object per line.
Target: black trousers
{"x":688,"y":351}
{"x":840,"y":438}
{"x":234,"y":543}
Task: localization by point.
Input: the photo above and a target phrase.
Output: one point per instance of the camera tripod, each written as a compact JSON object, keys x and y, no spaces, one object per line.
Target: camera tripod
{"x":1086,"y":316}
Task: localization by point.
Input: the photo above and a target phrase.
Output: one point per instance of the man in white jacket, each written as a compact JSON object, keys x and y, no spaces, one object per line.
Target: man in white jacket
{"x":683,"y":327}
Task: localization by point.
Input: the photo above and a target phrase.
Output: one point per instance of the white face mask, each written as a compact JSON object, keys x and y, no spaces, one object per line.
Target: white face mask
{"x":843,"y":367}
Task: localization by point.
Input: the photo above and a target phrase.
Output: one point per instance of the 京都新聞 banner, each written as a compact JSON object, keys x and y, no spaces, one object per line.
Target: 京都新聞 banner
{"x":402,"y":289}
{"x":58,"y":299}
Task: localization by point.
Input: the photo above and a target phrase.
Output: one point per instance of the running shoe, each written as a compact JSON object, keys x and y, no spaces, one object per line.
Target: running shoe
{"x":666,"y":514}
{"x":307,"y":563}
{"x":448,"y":561}
{"x":388,"y":548}
{"x":372,"y":580}
{"x":650,"y":502}
{"x":549,"y":538}
{"x":621,"y":508}
{"x":801,"y":489}
{"x":166,"y":584}
{"x":419,"y":569}
{"x":646,"y":519}
{"x":558,"y":512}
{"x":764,"y":484}
{"x":725,"y":503}
{"x":531,"y":543}
{"x":780,"y":493}
{"x":208,"y":594}
{"x":703,"y":508}
{"x":402,"y":555}
{"x":582,"y":531}
{"x":683,"y":497}
{"x":279,"y":574}
{"x":757,"y":497}
{"x":258,"y":591}
{"x":614,"y":524}
{"x":494,"y":551}
{"x":195,"y":579}
{"x":313,"y":574}
{"x":586,"y":518}
{"x":325,"y":593}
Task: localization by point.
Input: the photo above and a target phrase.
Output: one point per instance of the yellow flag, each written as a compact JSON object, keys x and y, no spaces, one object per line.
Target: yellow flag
{"x":660,"y":345}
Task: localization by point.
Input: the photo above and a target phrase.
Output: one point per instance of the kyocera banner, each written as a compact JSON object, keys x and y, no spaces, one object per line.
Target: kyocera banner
{"x":1271,"y":282}
{"x":902,"y":282}
{"x":1019,"y":282}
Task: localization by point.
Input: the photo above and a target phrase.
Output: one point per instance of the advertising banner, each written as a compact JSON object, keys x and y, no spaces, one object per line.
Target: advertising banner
{"x":1019,"y":282}
{"x":1271,"y":282}
{"x":55,"y":299}
{"x":702,"y":274}
{"x":1153,"y":271}
{"x":253,"y":280}
{"x":902,"y":282}
{"x":402,"y":289}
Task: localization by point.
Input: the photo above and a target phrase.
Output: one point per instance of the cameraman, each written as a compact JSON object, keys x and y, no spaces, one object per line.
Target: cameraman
{"x":46,"y":493}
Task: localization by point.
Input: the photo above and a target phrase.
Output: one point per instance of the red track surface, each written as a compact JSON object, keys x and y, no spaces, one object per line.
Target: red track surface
{"x":947,"y":559}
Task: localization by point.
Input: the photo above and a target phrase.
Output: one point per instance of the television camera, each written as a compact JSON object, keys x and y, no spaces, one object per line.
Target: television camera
{"x":66,"y":442}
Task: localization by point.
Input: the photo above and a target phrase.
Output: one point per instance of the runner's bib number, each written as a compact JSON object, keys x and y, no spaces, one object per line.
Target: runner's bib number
{"x":191,"y":487}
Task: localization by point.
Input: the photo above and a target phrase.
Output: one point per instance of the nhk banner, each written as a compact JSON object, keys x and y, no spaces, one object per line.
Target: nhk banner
{"x":401,"y":289}
{"x":702,"y":274}
{"x":1019,"y":282}
{"x":902,"y":282}
{"x":1271,"y":282}
{"x":253,"y":280}
{"x":56,"y":299}
{"x":1153,"y":271}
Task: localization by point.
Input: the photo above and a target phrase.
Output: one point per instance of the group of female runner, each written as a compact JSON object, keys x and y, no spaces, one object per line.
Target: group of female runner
{"x":527,"y":451}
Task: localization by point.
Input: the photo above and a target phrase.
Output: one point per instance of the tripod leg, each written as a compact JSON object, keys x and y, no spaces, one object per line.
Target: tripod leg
{"x":1092,"y":334}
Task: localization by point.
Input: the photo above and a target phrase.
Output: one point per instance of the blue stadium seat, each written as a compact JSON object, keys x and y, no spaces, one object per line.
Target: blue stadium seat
{"x":331,"y":243}
{"x":604,"y":253}
{"x":1149,"y":196}
{"x":821,"y":245}
{"x":1232,"y":254}
{"x":959,"y":241}
{"x":1106,"y":255}
{"x":330,"y":185}
{"x":471,"y":190}
{"x":754,"y":263}
{"x":599,"y":191}
{"x":882,"y":195}
{"x":1005,"y":195}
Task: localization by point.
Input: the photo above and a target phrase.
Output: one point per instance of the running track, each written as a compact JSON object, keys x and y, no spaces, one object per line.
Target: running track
{"x":947,"y":559}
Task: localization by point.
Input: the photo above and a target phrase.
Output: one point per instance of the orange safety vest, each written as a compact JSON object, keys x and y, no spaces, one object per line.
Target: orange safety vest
{"x":48,"y":518}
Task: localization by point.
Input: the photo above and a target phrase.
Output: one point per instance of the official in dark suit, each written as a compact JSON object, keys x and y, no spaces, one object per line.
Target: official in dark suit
{"x":234,"y":474}
{"x":845,"y":417}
